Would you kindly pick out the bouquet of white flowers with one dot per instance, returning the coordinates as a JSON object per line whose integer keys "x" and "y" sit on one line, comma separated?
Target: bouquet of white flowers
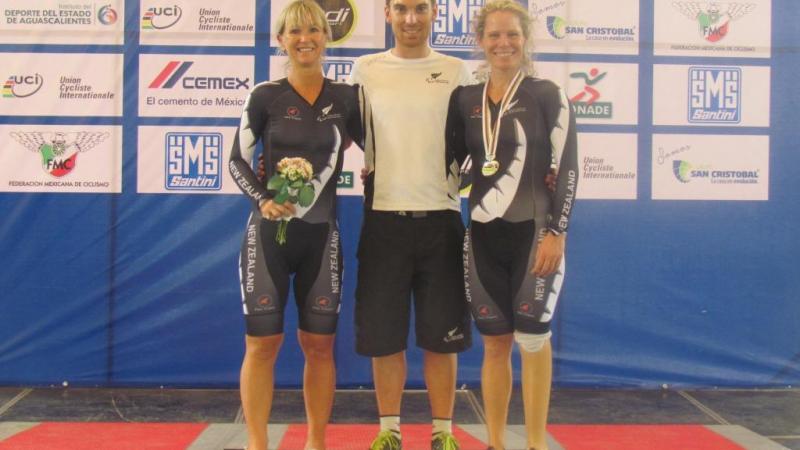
{"x": 292, "y": 183}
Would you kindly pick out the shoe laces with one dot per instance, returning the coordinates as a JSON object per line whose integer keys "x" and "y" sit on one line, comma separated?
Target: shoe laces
{"x": 386, "y": 440}
{"x": 444, "y": 441}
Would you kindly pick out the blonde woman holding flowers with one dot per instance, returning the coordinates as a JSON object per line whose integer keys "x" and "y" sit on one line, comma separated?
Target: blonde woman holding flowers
{"x": 305, "y": 123}
{"x": 518, "y": 131}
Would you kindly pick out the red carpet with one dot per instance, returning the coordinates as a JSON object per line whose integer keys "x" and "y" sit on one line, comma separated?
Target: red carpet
{"x": 105, "y": 436}
{"x": 639, "y": 437}
{"x": 178, "y": 436}
{"x": 350, "y": 437}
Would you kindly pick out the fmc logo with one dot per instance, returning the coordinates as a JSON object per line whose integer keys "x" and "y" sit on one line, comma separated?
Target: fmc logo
{"x": 713, "y": 18}
{"x": 342, "y": 16}
{"x": 160, "y": 18}
{"x": 451, "y": 27}
{"x": 21, "y": 86}
{"x": 715, "y": 94}
{"x": 175, "y": 71}
{"x": 585, "y": 102}
{"x": 194, "y": 161}
{"x": 59, "y": 151}
{"x": 107, "y": 15}
{"x": 337, "y": 69}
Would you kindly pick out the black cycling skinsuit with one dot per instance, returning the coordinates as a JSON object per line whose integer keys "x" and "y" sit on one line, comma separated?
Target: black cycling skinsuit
{"x": 511, "y": 209}
{"x": 289, "y": 126}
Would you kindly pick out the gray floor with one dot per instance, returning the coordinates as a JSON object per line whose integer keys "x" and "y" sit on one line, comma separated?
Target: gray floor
{"x": 774, "y": 414}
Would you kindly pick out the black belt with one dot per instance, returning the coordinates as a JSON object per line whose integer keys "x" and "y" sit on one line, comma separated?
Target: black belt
{"x": 416, "y": 214}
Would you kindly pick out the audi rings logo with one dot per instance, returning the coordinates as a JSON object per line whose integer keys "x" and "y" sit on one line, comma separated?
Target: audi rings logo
{"x": 342, "y": 17}
{"x": 107, "y": 15}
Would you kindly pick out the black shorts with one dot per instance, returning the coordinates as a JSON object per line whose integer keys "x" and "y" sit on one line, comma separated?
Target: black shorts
{"x": 403, "y": 255}
{"x": 312, "y": 253}
{"x": 503, "y": 295}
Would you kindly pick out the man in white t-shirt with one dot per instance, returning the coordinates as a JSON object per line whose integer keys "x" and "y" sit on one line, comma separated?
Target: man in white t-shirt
{"x": 412, "y": 237}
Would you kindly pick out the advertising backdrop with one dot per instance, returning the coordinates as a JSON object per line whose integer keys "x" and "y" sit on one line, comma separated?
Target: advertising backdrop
{"x": 121, "y": 225}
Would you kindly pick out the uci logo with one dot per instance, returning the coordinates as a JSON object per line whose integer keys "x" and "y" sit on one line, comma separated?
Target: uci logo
{"x": 21, "y": 86}
{"x": 160, "y": 18}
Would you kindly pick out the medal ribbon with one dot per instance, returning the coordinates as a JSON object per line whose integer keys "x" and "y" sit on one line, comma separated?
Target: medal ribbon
{"x": 490, "y": 136}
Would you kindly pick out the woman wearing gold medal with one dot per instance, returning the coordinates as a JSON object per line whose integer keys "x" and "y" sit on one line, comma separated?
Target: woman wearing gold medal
{"x": 518, "y": 130}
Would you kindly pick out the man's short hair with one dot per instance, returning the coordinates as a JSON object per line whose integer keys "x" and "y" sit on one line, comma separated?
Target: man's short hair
{"x": 433, "y": 3}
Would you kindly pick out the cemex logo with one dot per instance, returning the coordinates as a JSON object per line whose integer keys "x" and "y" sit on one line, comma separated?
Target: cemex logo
{"x": 713, "y": 18}
{"x": 337, "y": 69}
{"x": 715, "y": 94}
{"x": 21, "y": 86}
{"x": 59, "y": 151}
{"x": 585, "y": 102}
{"x": 174, "y": 72}
{"x": 194, "y": 161}
{"x": 160, "y": 18}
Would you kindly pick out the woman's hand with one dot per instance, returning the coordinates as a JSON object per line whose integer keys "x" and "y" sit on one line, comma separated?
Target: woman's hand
{"x": 276, "y": 211}
{"x": 548, "y": 254}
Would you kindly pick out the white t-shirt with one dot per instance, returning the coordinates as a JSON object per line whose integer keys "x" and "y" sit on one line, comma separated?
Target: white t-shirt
{"x": 409, "y": 100}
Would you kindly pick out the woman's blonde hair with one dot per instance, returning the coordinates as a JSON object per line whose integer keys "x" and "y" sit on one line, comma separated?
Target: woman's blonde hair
{"x": 302, "y": 12}
{"x": 525, "y": 22}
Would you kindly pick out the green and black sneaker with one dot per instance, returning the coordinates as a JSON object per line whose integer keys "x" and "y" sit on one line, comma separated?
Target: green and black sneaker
{"x": 444, "y": 441}
{"x": 387, "y": 440}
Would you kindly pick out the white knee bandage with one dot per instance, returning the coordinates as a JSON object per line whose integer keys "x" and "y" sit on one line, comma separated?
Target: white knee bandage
{"x": 531, "y": 343}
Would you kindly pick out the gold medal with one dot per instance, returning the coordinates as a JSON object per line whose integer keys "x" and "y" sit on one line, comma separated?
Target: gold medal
{"x": 490, "y": 168}
{"x": 492, "y": 136}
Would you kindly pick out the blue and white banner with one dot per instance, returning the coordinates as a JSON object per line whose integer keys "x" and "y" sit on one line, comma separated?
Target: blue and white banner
{"x": 710, "y": 167}
{"x": 739, "y": 28}
{"x": 194, "y": 85}
{"x": 197, "y": 22}
{"x": 61, "y": 158}
{"x": 354, "y": 23}
{"x": 586, "y": 26}
{"x": 61, "y": 84}
{"x": 184, "y": 160}
{"x": 698, "y": 95}
{"x": 64, "y": 22}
